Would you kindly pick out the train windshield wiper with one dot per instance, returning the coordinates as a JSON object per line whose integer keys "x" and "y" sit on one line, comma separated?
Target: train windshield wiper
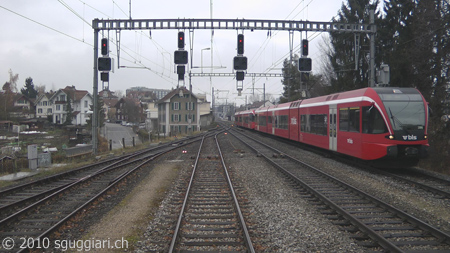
{"x": 396, "y": 120}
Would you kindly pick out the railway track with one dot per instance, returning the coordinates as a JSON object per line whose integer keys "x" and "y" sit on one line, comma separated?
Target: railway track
{"x": 431, "y": 183}
{"x": 38, "y": 218}
{"x": 376, "y": 224}
{"x": 210, "y": 218}
{"x": 440, "y": 187}
{"x": 14, "y": 198}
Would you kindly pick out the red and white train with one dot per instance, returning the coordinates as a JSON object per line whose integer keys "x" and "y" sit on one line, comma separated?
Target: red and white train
{"x": 387, "y": 126}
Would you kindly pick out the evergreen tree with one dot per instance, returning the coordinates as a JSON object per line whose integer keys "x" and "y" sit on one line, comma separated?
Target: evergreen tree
{"x": 69, "y": 110}
{"x": 300, "y": 86}
{"x": 351, "y": 72}
{"x": 394, "y": 34}
{"x": 29, "y": 90}
{"x": 290, "y": 81}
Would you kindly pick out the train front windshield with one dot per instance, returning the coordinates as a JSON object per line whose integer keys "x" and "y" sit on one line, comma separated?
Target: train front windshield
{"x": 406, "y": 111}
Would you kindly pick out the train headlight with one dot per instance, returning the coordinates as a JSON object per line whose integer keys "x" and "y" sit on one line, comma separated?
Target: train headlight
{"x": 425, "y": 136}
{"x": 391, "y": 137}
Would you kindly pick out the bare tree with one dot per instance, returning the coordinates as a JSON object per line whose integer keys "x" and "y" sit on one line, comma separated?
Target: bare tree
{"x": 326, "y": 68}
{"x": 40, "y": 89}
{"x": 119, "y": 93}
{"x": 13, "y": 81}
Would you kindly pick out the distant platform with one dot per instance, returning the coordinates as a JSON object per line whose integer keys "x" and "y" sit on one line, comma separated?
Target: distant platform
{"x": 16, "y": 176}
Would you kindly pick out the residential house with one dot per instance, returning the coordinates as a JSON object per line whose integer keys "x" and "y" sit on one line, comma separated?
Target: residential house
{"x": 109, "y": 104}
{"x": 80, "y": 100}
{"x": 178, "y": 112}
{"x": 138, "y": 92}
{"x": 23, "y": 107}
{"x": 44, "y": 106}
{"x": 151, "y": 111}
{"x": 206, "y": 115}
{"x": 129, "y": 110}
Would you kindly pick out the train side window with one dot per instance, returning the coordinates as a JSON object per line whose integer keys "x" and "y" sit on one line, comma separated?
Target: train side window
{"x": 284, "y": 122}
{"x": 262, "y": 120}
{"x": 343, "y": 119}
{"x": 314, "y": 123}
{"x": 372, "y": 121}
{"x": 303, "y": 123}
{"x": 349, "y": 119}
{"x": 269, "y": 119}
{"x": 354, "y": 117}
{"x": 319, "y": 124}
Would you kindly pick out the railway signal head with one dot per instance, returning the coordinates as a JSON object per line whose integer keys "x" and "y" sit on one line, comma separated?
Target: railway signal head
{"x": 104, "y": 76}
{"x": 304, "y": 64}
{"x": 104, "y": 46}
{"x": 180, "y": 39}
{"x": 181, "y": 57}
{"x": 104, "y": 64}
{"x": 305, "y": 47}
{"x": 240, "y": 75}
{"x": 240, "y": 63}
{"x": 240, "y": 44}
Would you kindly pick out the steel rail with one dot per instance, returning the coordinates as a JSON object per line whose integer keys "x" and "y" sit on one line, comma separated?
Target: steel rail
{"x": 432, "y": 189}
{"x": 97, "y": 196}
{"x": 180, "y": 216}
{"x": 247, "y": 238}
{"x": 111, "y": 183}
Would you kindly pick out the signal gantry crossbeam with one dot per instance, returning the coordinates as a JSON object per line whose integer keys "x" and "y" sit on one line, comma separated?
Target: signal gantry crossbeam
{"x": 233, "y": 74}
{"x": 230, "y": 24}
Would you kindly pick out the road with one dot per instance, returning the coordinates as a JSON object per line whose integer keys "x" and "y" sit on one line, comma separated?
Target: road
{"x": 117, "y": 132}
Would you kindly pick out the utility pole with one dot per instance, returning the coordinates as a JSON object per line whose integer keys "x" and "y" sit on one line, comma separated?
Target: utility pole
{"x": 372, "y": 49}
{"x": 95, "y": 95}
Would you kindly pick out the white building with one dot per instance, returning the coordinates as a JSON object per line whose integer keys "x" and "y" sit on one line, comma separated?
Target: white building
{"x": 44, "y": 106}
{"x": 80, "y": 101}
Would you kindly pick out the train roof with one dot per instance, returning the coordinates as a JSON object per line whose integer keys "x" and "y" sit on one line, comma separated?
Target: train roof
{"x": 348, "y": 96}
{"x": 360, "y": 95}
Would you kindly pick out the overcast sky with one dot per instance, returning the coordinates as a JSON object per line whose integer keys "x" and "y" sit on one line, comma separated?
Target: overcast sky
{"x": 52, "y": 42}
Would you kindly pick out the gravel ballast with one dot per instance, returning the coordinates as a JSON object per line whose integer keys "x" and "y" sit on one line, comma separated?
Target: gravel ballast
{"x": 279, "y": 217}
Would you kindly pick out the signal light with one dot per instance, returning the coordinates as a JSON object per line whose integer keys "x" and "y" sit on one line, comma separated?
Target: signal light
{"x": 180, "y": 39}
{"x": 240, "y": 75}
{"x": 104, "y": 64}
{"x": 104, "y": 76}
{"x": 240, "y": 44}
{"x": 240, "y": 63}
{"x": 181, "y": 57}
{"x": 104, "y": 46}
{"x": 304, "y": 64}
{"x": 305, "y": 47}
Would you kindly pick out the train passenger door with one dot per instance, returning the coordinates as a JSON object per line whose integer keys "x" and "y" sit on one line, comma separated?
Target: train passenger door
{"x": 274, "y": 121}
{"x": 332, "y": 126}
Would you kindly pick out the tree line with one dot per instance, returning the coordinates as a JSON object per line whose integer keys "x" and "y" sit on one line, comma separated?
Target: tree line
{"x": 413, "y": 38}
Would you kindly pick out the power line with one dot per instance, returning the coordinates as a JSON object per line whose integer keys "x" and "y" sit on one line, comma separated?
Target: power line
{"x": 46, "y": 26}
{"x": 74, "y": 12}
